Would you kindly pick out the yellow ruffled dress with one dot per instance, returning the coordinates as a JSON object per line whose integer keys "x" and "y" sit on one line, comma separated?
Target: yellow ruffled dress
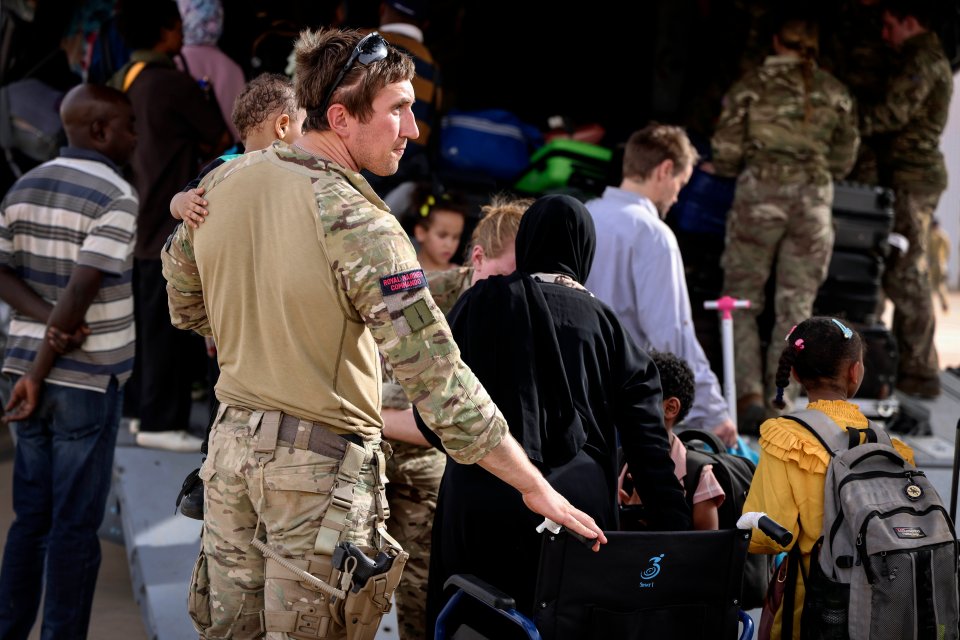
{"x": 788, "y": 485}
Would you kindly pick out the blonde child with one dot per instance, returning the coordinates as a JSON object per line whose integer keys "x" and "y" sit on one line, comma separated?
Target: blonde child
{"x": 492, "y": 251}
{"x": 826, "y": 358}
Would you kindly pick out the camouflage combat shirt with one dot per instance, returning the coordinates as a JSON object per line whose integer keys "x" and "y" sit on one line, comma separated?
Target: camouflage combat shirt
{"x": 765, "y": 124}
{"x": 301, "y": 275}
{"x": 916, "y": 106}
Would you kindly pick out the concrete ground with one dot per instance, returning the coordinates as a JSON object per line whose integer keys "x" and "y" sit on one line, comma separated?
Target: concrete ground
{"x": 115, "y": 611}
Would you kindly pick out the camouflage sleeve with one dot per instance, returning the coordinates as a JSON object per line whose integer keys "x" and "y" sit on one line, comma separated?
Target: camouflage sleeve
{"x": 905, "y": 96}
{"x": 378, "y": 270}
{"x": 394, "y": 397}
{"x": 445, "y": 287}
{"x": 846, "y": 138}
{"x": 729, "y": 138}
{"x": 184, "y": 291}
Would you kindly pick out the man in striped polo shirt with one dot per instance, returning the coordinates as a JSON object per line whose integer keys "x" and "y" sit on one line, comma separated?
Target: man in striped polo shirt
{"x": 66, "y": 242}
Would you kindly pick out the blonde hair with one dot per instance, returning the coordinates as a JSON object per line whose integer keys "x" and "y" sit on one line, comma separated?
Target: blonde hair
{"x": 499, "y": 224}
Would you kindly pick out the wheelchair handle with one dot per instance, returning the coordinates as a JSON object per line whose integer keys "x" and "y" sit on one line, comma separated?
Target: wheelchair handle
{"x": 554, "y": 528}
{"x": 761, "y": 521}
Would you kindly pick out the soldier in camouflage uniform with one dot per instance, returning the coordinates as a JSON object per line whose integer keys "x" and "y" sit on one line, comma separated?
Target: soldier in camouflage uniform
{"x": 415, "y": 469}
{"x": 301, "y": 279}
{"x": 914, "y": 110}
{"x": 787, "y": 130}
{"x": 861, "y": 60}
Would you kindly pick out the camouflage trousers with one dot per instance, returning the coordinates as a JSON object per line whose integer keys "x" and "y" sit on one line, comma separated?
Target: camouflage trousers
{"x": 906, "y": 282}
{"x": 938, "y": 284}
{"x": 414, "y": 474}
{"x": 787, "y": 222}
{"x": 282, "y": 501}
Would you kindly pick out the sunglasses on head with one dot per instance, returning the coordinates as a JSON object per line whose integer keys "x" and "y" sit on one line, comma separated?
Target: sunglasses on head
{"x": 371, "y": 48}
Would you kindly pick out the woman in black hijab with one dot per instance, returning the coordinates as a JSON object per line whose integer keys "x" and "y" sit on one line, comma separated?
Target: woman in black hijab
{"x": 568, "y": 379}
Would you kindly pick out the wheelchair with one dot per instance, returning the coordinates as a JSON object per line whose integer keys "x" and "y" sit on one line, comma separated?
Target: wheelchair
{"x": 639, "y": 585}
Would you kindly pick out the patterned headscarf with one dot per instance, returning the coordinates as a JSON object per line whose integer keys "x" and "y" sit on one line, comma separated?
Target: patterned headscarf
{"x": 202, "y": 21}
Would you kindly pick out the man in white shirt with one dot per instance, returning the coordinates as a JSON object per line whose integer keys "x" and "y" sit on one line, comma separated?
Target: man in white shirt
{"x": 638, "y": 269}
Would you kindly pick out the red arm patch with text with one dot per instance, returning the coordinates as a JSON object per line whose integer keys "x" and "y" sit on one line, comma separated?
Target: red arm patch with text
{"x": 403, "y": 282}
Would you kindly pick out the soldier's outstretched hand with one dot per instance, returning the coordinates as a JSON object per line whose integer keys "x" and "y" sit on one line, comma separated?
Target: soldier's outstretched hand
{"x": 545, "y": 500}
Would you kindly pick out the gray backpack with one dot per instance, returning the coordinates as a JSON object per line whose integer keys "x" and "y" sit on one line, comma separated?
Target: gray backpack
{"x": 886, "y": 563}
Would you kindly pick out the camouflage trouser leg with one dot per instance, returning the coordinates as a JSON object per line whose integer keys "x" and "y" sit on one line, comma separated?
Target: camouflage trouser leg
{"x": 792, "y": 223}
{"x": 802, "y": 264}
{"x": 291, "y": 495}
{"x": 414, "y": 473}
{"x": 907, "y": 284}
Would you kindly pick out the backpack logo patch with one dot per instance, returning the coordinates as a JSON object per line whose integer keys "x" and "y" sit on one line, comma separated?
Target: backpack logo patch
{"x": 909, "y": 532}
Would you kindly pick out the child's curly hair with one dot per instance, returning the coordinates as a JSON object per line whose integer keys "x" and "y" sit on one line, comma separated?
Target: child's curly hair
{"x": 265, "y": 95}
{"x": 817, "y": 350}
{"x": 676, "y": 380}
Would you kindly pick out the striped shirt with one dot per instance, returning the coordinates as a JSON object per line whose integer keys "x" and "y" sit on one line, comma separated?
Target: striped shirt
{"x": 74, "y": 210}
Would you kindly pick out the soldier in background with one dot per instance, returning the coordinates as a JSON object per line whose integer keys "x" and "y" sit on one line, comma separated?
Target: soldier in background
{"x": 787, "y": 130}
{"x": 914, "y": 110}
{"x": 326, "y": 279}
{"x": 859, "y": 58}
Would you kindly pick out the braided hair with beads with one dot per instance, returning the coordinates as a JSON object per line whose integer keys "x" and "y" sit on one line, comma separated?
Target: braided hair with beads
{"x": 817, "y": 349}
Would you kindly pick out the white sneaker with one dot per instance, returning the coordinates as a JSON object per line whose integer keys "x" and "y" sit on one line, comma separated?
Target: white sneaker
{"x": 169, "y": 440}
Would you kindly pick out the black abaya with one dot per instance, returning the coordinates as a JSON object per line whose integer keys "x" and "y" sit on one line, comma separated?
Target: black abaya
{"x": 568, "y": 379}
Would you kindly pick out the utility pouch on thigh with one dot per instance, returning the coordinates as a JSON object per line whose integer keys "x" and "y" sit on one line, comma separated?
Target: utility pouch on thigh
{"x": 198, "y": 599}
{"x": 308, "y": 615}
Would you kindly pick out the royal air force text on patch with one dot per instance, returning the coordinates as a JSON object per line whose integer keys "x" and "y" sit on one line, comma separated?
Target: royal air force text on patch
{"x": 403, "y": 282}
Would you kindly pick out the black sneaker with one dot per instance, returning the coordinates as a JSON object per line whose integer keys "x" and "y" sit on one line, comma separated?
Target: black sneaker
{"x": 190, "y": 499}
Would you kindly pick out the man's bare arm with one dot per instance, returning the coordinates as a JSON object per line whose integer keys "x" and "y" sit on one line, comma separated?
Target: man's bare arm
{"x": 68, "y": 315}
{"x": 18, "y": 294}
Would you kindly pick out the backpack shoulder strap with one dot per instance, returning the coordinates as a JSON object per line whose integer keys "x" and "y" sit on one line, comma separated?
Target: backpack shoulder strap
{"x": 823, "y": 428}
{"x": 696, "y": 461}
{"x": 132, "y": 74}
{"x": 882, "y": 436}
{"x": 696, "y": 435}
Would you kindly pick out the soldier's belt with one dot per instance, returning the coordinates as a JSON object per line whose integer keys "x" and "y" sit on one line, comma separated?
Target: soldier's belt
{"x": 313, "y": 436}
